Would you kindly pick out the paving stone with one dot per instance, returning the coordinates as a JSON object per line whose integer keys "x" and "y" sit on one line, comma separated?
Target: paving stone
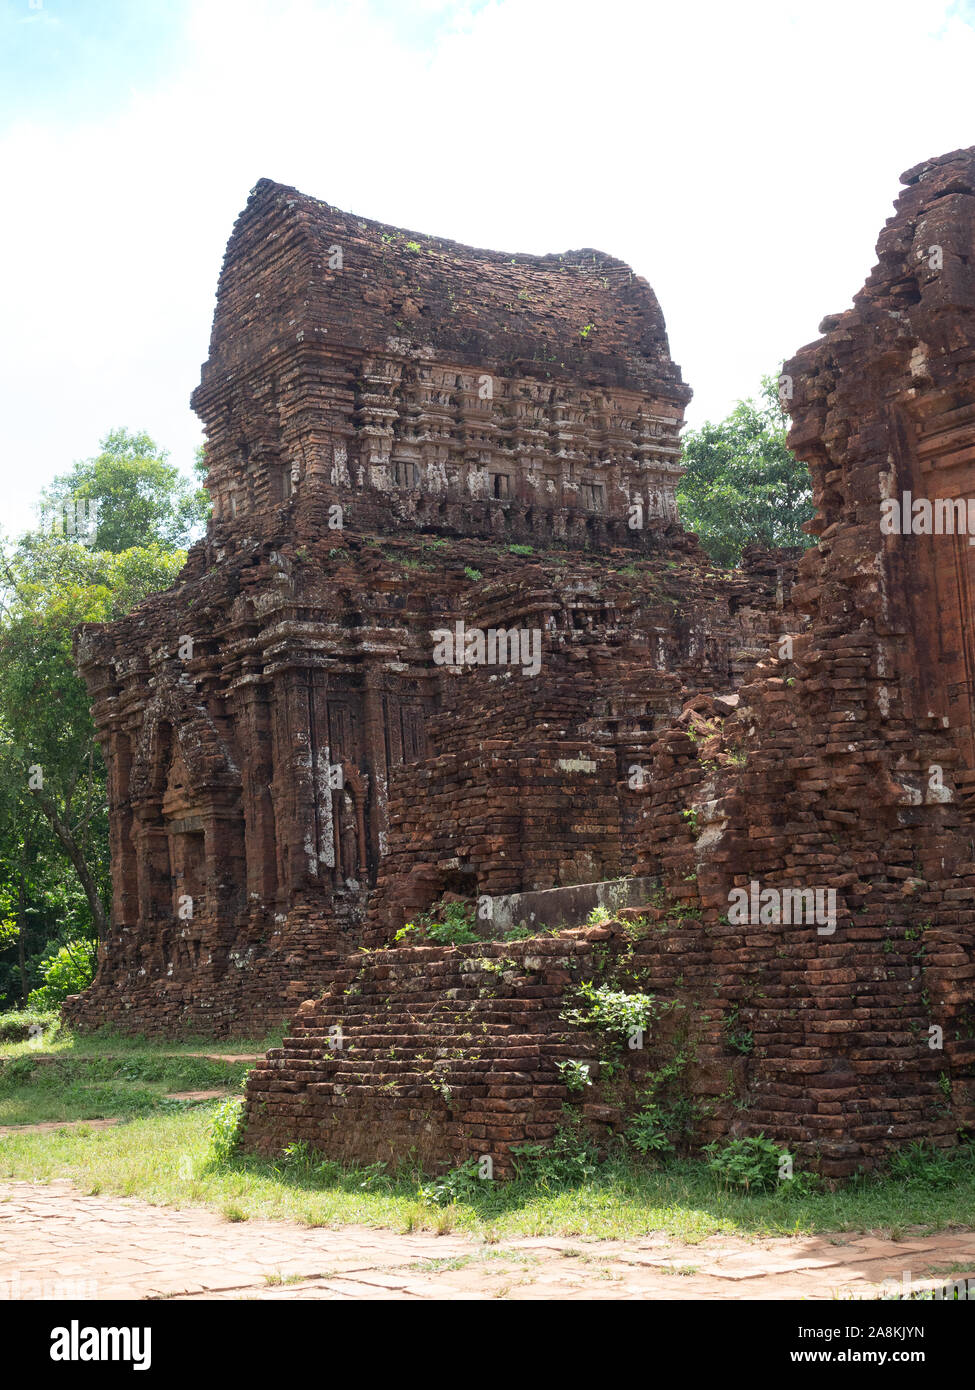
{"x": 94, "y": 1248}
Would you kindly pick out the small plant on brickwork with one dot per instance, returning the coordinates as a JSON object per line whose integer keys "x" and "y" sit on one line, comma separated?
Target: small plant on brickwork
{"x": 923, "y": 1166}
{"x": 460, "y": 1184}
{"x": 711, "y": 727}
{"x": 575, "y": 1075}
{"x": 570, "y": 1159}
{"x": 612, "y": 1011}
{"x": 226, "y": 1130}
{"x": 662, "y": 1121}
{"x": 618, "y": 896}
{"x": 500, "y": 966}
{"x": 649, "y": 1131}
{"x": 752, "y": 1163}
{"x": 521, "y": 549}
{"x": 520, "y": 931}
{"x": 454, "y": 925}
{"x": 740, "y": 1038}
{"x": 691, "y": 817}
{"x": 681, "y": 912}
{"x": 472, "y": 573}
{"x": 637, "y": 926}
{"x": 441, "y": 1088}
{"x": 448, "y": 924}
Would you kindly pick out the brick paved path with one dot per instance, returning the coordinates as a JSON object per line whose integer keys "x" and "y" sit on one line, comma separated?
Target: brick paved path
{"x": 56, "y": 1242}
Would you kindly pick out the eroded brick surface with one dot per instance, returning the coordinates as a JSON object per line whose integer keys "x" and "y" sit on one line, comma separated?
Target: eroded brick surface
{"x": 848, "y": 764}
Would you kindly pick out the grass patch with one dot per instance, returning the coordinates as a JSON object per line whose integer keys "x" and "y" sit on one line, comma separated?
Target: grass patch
{"x": 165, "y": 1153}
{"x": 22, "y": 1025}
{"x": 37, "y": 1089}
{"x": 435, "y": 1266}
{"x": 483, "y": 1256}
{"x": 165, "y": 1158}
{"x": 66, "y": 1076}
{"x": 58, "y": 1041}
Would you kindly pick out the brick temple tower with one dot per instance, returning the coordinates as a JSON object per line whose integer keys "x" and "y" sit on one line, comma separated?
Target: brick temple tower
{"x": 403, "y": 435}
{"x": 419, "y": 378}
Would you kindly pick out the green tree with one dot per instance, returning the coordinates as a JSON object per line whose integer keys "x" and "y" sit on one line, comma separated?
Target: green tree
{"x": 54, "y": 857}
{"x": 140, "y": 496}
{"x": 66, "y": 969}
{"x": 743, "y": 486}
{"x": 46, "y": 731}
{"x": 41, "y": 901}
{"x": 23, "y": 831}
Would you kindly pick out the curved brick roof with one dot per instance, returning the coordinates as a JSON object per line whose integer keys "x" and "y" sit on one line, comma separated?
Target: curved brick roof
{"x": 581, "y": 315}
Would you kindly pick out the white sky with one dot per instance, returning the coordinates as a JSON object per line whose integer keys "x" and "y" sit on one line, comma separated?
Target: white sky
{"x": 742, "y": 156}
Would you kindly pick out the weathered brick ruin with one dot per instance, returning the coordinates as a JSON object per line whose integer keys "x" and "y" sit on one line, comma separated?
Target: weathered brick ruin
{"x": 405, "y": 435}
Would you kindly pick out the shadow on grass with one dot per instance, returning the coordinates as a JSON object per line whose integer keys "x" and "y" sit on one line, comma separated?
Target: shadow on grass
{"x": 931, "y": 1192}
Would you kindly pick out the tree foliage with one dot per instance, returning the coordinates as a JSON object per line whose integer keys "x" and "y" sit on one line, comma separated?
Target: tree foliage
{"x": 54, "y": 856}
{"x": 54, "y": 584}
{"x": 65, "y": 969}
{"x": 140, "y": 495}
{"x": 743, "y": 486}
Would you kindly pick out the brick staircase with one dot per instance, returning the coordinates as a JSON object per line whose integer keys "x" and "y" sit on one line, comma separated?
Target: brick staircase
{"x": 442, "y": 1051}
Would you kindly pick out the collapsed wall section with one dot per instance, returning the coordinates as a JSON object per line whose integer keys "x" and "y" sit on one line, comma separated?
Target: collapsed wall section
{"x": 845, "y": 769}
